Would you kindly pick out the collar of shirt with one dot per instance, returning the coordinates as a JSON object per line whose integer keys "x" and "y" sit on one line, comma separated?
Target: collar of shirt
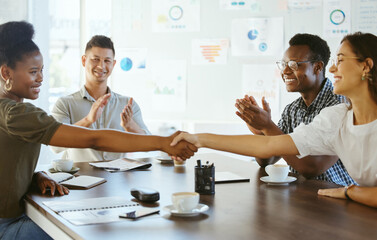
{"x": 321, "y": 99}
{"x": 84, "y": 94}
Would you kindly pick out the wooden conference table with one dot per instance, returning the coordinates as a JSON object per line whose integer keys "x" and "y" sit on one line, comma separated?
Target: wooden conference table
{"x": 245, "y": 210}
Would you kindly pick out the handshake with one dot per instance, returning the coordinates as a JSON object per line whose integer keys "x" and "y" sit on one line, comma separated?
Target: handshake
{"x": 180, "y": 145}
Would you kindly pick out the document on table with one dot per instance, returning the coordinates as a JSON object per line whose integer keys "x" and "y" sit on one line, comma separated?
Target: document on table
{"x": 92, "y": 210}
{"x": 122, "y": 164}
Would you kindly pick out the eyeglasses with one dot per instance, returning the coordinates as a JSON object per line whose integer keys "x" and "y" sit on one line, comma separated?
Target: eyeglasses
{"x": 293, "y": 65}
{"x": 336, "y": 61}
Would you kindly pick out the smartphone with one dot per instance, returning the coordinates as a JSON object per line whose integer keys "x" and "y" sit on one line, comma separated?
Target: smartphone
{"x": 139, "y": 213}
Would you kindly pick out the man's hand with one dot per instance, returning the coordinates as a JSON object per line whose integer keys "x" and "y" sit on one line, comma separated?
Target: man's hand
{"x": 256, "y": 118}
{"x": 184, "y": 136}
{"x": 181, "y": 150}
{"x": 45, "y": 183}
{"x": 126, "y": 120}
{"x": 95, "y": 111}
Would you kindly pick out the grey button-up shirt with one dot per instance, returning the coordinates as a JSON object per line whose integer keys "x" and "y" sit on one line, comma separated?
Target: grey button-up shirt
{"x": 72, "y": 108}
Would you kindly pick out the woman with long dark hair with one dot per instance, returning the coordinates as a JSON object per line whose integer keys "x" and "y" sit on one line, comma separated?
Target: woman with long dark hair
{"x": 348, "y": 131}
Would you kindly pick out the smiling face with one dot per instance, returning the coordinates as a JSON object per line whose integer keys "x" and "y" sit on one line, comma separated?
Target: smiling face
{"x": 347, "y": 74}
{"x": 27, "y": 77}
{"x": 304, "y": 78}
{"x": 98, "y": 63}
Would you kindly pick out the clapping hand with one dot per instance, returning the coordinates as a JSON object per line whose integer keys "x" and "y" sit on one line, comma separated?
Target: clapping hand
{"x": 256, "y": 118}
{"x": 126, "y": 120}
{"x": 97, "y": 108}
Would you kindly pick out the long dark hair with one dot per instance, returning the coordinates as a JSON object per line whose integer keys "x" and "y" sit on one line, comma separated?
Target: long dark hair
{"x": 15, "y": 42}
{"x": 364, "y": 45}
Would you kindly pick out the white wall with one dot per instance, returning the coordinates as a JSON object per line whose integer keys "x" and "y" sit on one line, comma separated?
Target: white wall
{"x": 212, "y": 90}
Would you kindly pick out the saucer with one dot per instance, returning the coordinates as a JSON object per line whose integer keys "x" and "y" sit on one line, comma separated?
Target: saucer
{"x": 164, "y": 159}
{"x": 196, "y": 211}
{"x": 72, "y": 171}
{"x": 267, "y": 179}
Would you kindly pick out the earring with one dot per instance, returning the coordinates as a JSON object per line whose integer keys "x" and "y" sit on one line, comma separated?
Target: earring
{"x": 8, "y": 85}
{"x": 363, "y": 77}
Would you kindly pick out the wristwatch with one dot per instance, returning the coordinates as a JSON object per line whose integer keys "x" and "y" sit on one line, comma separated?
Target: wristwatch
{"x": 346, "y": 190}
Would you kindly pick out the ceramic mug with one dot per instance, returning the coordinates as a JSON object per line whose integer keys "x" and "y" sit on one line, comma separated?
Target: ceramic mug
{"x": 277, "y": 172}
{"x": 185, "y": 201}
{"x": 62, "y": 165}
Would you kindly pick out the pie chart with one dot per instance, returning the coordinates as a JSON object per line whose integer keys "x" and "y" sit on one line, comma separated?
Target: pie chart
{"x": 252, "y": 34}
{"x": 126, "y": 64}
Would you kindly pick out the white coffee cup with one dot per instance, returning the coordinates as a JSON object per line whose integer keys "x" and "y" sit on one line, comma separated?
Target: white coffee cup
{"x": 277, "y": 172}
{"x": 62, "y": 165}
{"x": 185, "y": 201}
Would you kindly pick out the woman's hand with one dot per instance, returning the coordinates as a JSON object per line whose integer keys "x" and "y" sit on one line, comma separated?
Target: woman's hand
{"x": 191, "y": 138}
{"x": 45, "y": 183}
{"x": 332, "y": 192}
{"x": 181, "y": 150}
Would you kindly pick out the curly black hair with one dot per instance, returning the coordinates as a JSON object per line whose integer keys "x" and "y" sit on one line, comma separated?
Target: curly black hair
{"x": 15, "y": 42}
{"x": 100, "y": 41}
{"x": 319, "y": 49}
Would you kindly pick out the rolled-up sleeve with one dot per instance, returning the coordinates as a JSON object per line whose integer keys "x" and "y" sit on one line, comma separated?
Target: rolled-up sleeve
{"x": 317, "y": 137}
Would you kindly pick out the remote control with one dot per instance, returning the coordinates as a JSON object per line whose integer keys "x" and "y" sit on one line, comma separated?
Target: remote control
{"x": 145, "y": 194}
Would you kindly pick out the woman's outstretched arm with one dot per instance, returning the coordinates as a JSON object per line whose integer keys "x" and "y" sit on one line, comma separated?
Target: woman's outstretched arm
{"x": 117, "y": 141}
{"x": 250, "y": 145}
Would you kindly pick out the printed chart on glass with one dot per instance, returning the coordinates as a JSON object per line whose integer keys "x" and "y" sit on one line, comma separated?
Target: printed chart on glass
{"x": 336, "y": 18}
{"x": 262, "y": 80}
{"x": 252, "y": 5}
{"x": 304, "y": 5}
{"x": 366, "y": 14}
{"x": 161, "y": 87}
{"x": 257, "y": 37}
{"x": 209, "y": 51}
{"x": 131, "y": 60}
{"x": 175, "y": 15}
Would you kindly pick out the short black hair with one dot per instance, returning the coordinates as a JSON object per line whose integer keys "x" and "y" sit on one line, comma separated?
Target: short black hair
{"x": 15, "y": 42}
{"x": 100, "y": 41}
{"x": 319, "y": 49}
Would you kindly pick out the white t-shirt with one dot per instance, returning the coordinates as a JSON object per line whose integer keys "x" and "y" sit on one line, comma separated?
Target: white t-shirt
{"x": 332, "y": 132}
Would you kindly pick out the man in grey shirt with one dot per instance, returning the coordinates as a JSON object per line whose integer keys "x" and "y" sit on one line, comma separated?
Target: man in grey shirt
{"x": 95, "y": 105}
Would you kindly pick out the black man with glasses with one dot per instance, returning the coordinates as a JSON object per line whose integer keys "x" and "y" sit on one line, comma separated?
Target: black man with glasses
{"x": 302, "y": 70}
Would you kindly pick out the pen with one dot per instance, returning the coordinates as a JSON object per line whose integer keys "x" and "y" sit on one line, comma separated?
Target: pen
{"x": 199, "y": 163}
{"x": 112, "y": 168}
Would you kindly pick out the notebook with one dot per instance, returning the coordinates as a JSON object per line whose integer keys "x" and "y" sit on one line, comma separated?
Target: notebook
{"x": 76, "y": 182}
{"x": 121, "y": 165}
{"x": 228, "y": 177}
{"x": 92, "y": 210}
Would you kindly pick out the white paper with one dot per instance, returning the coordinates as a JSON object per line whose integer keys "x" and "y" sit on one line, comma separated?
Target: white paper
{"x": 209, "y": 51}
{"x": 168, "y": 86}
{"x": 336, "y": 18}
{"x": 129, "y": 15}
{"x": 260, "y": 80}
{"x": 366, "y": 16}
{"x": 131, "y": 60}
{"x": 240, "y": 5}
{"x": 257, "y": 37}
{"x": 175, "y": 15}
{"x": 92, "y": 210}
{"x": 122, "y": 164}
{"x": 304, "y": 4}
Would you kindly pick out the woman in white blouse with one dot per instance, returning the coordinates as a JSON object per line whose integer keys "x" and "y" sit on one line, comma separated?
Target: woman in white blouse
{"x": 349, "y": 131}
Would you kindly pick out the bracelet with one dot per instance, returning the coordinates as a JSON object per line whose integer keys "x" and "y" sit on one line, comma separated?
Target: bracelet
{"x": 346, "y": 190}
